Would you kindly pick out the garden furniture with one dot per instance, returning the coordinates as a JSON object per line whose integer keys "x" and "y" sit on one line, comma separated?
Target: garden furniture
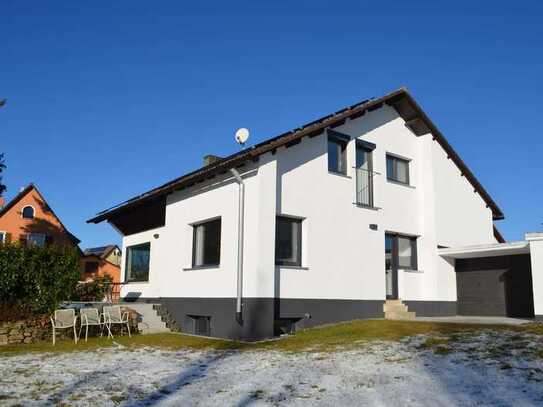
{"x": 91, "y": 317}
{"x": 64, "y": 319}
{"x": 113, "y": 315}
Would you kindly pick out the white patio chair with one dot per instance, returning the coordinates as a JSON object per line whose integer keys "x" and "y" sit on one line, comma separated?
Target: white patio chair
{"x": 90, "y": 317}
{"x": 64, "y": 319}
{"x": 113, "y": 315}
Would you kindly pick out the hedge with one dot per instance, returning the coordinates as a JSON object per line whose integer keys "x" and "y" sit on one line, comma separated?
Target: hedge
{"x": 36, "y": 278}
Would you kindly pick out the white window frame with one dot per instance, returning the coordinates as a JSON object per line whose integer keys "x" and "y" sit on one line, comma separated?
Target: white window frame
{"x": 3, "y": 233}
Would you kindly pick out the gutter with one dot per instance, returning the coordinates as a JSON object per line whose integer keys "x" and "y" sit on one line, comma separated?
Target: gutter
{"x": 241, "y": 183}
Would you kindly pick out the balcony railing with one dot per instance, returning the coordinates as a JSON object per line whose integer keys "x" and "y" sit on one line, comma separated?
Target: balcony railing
{"x": 364, "y": 187}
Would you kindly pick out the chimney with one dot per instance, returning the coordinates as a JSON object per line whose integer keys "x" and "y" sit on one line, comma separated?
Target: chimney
{"x": 210, "y": 159}
{"x": 2, "y": 202}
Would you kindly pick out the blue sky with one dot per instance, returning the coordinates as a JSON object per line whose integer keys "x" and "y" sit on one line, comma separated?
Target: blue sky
{"x": 108, "y": 100}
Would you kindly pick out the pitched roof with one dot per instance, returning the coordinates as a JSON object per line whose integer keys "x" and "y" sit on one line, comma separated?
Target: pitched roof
{"x": 101, "y": 252}
{"x": 415, "y": 118}
{"x": 25, "y": 191}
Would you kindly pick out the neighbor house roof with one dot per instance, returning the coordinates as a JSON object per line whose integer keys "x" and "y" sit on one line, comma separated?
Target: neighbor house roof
{"x": 415, "y": 118}
{"x": 25, "y": 191}
{"x": 101, "y": 252}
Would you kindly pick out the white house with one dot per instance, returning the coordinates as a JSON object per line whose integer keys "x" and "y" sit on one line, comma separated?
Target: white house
{"x": 337, "y": 215}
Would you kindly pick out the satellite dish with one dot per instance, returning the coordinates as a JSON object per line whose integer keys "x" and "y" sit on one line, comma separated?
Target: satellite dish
{"x": 242, "y": 135}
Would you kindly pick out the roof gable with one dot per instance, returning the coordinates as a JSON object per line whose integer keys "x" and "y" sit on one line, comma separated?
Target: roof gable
{"x": 42, "y": 203}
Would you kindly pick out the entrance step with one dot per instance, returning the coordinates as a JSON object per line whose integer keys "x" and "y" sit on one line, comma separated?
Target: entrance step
{"x": 167, "y": 318}
{"x": 396, "y": 309}
{"x": 149, "y": 321}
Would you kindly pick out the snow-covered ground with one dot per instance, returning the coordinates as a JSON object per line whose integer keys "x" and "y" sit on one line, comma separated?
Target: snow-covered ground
{"x": 490, "y": 368}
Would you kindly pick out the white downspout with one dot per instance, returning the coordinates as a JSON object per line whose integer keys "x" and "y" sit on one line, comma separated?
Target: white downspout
{"x": 239, "y": 180}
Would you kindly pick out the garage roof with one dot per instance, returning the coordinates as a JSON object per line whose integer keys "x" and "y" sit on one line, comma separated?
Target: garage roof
{"x": 485, "y": 250}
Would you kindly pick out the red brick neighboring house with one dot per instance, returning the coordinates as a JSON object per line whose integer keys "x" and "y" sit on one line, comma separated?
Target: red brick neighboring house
{"x": 29, "y": 219}
{"x": 99, "y": 261}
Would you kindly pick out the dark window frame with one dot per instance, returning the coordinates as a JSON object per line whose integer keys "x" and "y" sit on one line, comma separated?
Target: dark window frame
{"x": 126, "y": 268}
{"x": 396, "y": 250}
{"x": 341, "y": 154}
{"x": 364, "y": 147}
{"x": 394, "y": 176}
{"x": 194, "y": 228}
{"x": 25, "y": 208}
{"x": 299, "y": 222}
{"x": 196, "y": 320}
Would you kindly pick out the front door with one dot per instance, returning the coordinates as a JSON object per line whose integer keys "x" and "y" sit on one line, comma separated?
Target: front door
{"x": 391, "y": 267}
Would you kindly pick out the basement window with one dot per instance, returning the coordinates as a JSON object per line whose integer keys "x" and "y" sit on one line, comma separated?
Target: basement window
{"x": 206, "y": 244}
{"x": 201, "y": 325}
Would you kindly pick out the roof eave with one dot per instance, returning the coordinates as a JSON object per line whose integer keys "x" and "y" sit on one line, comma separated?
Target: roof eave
{"x": 315, "y": 127}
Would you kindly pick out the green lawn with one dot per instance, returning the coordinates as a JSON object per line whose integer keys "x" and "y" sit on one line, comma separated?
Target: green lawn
{"x": 327, "y": 338}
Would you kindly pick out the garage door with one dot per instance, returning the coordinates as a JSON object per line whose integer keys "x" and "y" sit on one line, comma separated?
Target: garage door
{"x": 495, "y": 286}
{"x": 481, "y": 293}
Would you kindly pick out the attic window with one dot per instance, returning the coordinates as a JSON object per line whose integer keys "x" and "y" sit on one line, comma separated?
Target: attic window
{"x": 28, "y": 212}
{"x": 337, "y": 155}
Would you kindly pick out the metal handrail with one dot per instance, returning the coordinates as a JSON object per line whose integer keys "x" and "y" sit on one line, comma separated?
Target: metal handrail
{"x": 362, "y": 169}
{"x": 364, "y": 186}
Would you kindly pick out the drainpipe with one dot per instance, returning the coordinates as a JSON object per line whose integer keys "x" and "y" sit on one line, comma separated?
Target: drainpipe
{"x": 239, "y": 315}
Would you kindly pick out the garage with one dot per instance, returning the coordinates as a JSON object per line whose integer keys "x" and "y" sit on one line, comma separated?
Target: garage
{"x": 493, "y": 279}
{"x": 495, "y": 286}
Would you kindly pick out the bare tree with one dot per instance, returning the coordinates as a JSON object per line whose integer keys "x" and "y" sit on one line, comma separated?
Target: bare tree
{"x": 2, "y": 168}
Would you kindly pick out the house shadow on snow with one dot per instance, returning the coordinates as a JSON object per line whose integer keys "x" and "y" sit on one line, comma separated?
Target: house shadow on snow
{"x": 186, "y": 377}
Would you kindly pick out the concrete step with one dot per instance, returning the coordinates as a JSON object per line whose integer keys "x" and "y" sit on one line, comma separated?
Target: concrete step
{"x": 394, "y": 308}
{"x": 149, "y": 320}
{"x": 401, "y": 316}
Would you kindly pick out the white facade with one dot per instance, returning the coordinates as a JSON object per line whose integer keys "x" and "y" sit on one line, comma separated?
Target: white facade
{"x": 536, "y": 256}
{"x": 342, "y": 258}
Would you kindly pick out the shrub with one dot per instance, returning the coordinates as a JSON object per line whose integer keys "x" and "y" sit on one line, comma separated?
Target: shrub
{"x": 36, "y": 279}
{"x": 94, "y": 290}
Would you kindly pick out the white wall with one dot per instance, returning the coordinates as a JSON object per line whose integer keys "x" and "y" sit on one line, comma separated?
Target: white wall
{"x": 536, "y": 254}
{"x": 462, "y": 217}
{"x": 342, "y": 257}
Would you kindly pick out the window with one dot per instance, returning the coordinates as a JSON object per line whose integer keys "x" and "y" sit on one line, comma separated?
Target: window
{"x": 28, "y": 212}
{"x": 37, "y": 239}
{"x": 288, "y": 241}
{"x": 397, "y": 169}
{"x": 3, "y": 237}
{"x": 364, "y": 175}
{"x": 206, "y": 244}
{"x": 337, "y": 155}
{"x": 91, "y": 267}
{"x": 400, "y": 251}
{"x": 202, "y": 325}
{"x": 137, "y": 262}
